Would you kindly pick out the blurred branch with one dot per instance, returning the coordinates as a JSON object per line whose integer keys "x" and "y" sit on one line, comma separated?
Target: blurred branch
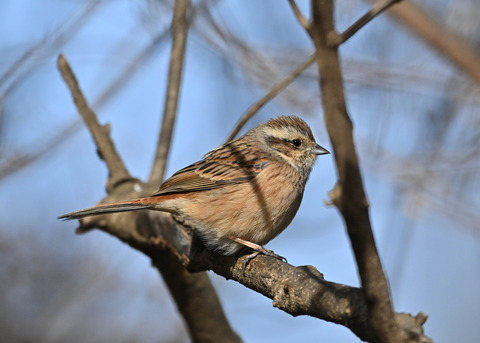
{"x": 452, "y": 46}
{"x": 101, "y": 133}
{"x": 50, "y": 44}
{"x": 262, "y": 69}
{"x": 273, "y": 92}
{"x": 14, "y": 163}
{"x": 298, "y": 14}
{"x": 378, "y": 8}
{"x": 22, "y": 68}
{"x": 21, "y": 160}
{"x": 349, "y": 195}
{"x": 137, "y": 62}
{"x": 427, "y": 184}
{"x": 180, "y": 24}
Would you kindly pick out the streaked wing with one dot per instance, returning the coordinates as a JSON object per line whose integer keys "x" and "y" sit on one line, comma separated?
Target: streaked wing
{"x": 231, "y": 163}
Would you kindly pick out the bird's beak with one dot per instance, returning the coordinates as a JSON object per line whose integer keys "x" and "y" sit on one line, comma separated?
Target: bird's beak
{"x": 318, "y": 150}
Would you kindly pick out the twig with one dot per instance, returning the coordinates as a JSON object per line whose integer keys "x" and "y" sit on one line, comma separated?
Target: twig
{"x": 269, "y": 96}
{"x": 180, "y": 24}
{"x": 349, "y": 195}
{"x": 378, "y": 8}
{"x": 101, "y": 133}
{"x": 298, "y": 14}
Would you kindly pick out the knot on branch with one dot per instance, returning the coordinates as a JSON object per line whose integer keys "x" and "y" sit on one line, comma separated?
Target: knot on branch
{"x": 413, "y": 326}
{"x": 335, "y": 196}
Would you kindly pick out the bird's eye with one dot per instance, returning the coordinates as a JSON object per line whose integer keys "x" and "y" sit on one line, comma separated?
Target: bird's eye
{"x": 297, "y": 142}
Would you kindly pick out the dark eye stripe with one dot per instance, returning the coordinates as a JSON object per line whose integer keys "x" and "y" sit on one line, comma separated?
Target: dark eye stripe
{"x": 281, "y": 145}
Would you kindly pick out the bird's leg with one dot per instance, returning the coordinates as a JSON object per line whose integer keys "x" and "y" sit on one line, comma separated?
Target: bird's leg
{"x": 258, "y": 249}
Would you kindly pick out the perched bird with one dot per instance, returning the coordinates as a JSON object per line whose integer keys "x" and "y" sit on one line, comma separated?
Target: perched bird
{"x": 243, "y": 193}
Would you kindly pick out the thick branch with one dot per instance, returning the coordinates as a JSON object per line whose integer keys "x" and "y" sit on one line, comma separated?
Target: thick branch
{"x": 349, "y": 195}
{"x": 180, "y": 25}
{"x": 273, "y": 92}
{"x": 101, "y": 133}
{"x": 295, "y": 290}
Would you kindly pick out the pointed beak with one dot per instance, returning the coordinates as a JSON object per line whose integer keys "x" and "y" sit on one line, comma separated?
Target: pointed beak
{"x": 318, "y": 150}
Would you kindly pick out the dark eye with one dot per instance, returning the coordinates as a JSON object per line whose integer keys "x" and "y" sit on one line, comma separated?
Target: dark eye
{"x": 297, "y": 142}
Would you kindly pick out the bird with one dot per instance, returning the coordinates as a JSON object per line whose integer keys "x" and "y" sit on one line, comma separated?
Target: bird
{"x": 239, "y": 195}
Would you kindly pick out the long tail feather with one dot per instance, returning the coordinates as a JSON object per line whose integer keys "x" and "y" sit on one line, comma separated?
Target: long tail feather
{"x": 124, "y": 206}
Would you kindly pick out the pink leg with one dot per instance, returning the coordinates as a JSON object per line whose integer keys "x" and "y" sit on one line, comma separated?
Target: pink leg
{"x": 258, "y": 249}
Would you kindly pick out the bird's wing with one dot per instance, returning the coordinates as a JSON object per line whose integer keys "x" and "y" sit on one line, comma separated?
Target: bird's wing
{"x": 228, "y": 164}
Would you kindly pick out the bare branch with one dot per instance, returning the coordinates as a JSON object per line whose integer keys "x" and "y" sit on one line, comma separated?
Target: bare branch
{"x": 452, "y": 46}
{"x": 298, "y": 14}
{"x": 273, "y": 92}
{"x": 295, "y": 290}
{"x": 180, "y": 24}
{"x": 349, "y": 195}
{"x": 101, "y": 133}
{"x": 378, "y": 8}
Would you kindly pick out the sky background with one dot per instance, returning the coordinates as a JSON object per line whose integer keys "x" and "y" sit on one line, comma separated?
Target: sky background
{"x": 417, "y": 125}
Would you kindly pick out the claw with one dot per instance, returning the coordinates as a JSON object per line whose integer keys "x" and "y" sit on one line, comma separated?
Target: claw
{"x": 248, "y": 258}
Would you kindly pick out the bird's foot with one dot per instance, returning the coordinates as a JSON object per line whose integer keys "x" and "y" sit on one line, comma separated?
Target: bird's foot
{"x": 258, "y": 250}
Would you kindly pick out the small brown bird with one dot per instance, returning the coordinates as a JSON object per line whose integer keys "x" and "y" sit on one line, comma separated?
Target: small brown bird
{"x": 243, "y": 193}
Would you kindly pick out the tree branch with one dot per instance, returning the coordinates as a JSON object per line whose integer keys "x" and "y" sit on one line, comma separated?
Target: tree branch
{"x": 295, "y": 290}
{"x": 180, "y": 25}
{"x": 298, "y": 14}
{"x": 273, "y": 92}
{"x": 349, "y": 195}
{"x": 101, "y": 133}
{"x": 378, "y": 8}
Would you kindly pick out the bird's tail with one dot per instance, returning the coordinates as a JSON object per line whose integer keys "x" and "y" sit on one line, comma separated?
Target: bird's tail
{"x": 123, "y": 206}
